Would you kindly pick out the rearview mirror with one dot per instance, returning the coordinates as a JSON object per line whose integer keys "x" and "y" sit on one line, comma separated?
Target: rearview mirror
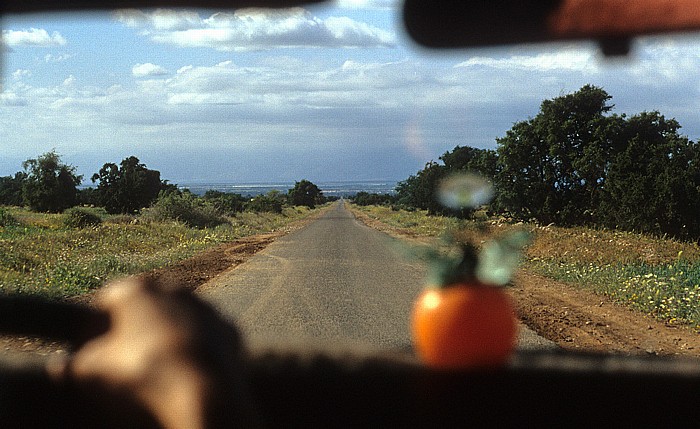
{"x": 459, "y": 23}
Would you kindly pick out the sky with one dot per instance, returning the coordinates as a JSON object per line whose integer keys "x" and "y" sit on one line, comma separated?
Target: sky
{"x": 326, "y": 93}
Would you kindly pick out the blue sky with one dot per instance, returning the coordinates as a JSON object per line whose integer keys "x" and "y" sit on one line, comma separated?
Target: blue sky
{"x": 331, "y": 92}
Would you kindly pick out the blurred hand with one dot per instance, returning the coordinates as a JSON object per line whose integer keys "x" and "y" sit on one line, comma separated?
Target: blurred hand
{"x": 169, "y": 351}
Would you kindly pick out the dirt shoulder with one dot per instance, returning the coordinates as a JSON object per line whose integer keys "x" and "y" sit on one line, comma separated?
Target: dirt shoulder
{"x": 578, "y": 319}
{"x": 581, "y": 320}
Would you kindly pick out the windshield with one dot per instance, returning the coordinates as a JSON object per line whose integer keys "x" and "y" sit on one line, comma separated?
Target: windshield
{"x": 231, "y": 114}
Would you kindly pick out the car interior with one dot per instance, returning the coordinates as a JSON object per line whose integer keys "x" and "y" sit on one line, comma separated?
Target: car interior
{"x": 328, "y": 389}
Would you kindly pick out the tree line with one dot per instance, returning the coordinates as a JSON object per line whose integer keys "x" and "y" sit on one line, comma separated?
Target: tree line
{"x": 578, "y": 163}
{"x": 48, "y": 185}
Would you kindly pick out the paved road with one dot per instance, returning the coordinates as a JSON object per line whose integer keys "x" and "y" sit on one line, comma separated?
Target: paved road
{"x": 336, "y": 280}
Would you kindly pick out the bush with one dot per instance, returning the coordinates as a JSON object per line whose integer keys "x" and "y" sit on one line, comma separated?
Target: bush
{"x": 11, "y": 189}
{"x": 186, "y": 208}
{"x": 80, "y": 218}
{"x": 363, "y": 198}
{"x": 270, "y": 203}
{"x": 124, "y": 219}
{"x": 6, "y": 219}
{"x": 89, "y": 197}
{"x": 227, "y": 203}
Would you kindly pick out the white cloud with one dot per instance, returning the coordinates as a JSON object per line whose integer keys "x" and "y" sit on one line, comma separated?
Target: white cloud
{"x": 254, "y": 29}
{"x": 563, "y": 60}
{"x": 184, "y": 69}
{"x": 69, "y": 81}
{"x": 148, "y": 69}
{"x": 50, "y": 58}
{"x": 12, "y": 99}
{"x": 368, "y": 4}
{"x": 160, "y": 19}
{"x": 32, "y": 37}
{"x": 170, "y": 20}
{"x": 350, "y": 84}
{"x": 21, "y": 73}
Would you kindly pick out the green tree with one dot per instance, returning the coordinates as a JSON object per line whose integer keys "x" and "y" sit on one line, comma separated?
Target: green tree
{"x": 420, "y": 190}
{"x": 363, "y": 198}
{"x": 466, "y": 158}
{"x": 226, "y": 202}
{"x": 89, "y": 197}
{"x": 11, "y": 189}
{"x": 552, "y": 167}
{"x": 272, "y": 202}
{"x": 129, "y": 187}
{"x": 305, "y": 193}
{"x": 50, "y": 185}
{"x": 653, "y": 183}
{"x": 575, "y": 163}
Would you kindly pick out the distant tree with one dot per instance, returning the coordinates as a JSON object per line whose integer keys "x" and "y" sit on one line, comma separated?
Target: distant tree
{"x": 11, "y": 189}
{"x": 363, "y": 198}
{"x": 50, "y": 185}
{"x": 226, "y": 202}
{"x": 420, "y": 190}
{"x": 89, "y": 197}
{"x": 305, "y": 193}
{"x": 129, "y": 187}
{"x": 272, "y": 202}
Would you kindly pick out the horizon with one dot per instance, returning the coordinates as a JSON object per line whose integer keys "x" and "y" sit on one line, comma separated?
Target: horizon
{"x": 341, "y": 188}
{"x": 336, "y": 188}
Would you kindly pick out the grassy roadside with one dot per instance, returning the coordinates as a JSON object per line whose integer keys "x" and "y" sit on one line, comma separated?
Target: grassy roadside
{"x": 39, "y": 254}
{"x": 658, "y": 276}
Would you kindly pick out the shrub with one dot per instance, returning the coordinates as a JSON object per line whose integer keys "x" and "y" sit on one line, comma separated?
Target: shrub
{"x": 186, "y": 208}
{"x": 225, "y": 202}
{"x": 11, "y": 189}
{"x": 72, "y": 279}
{"x": 270, "y": 202}
{"x": 363, "y": 198}
{"x": 80, "y": 218}
{"x": 6, "y": 219}
{"x": 123, "y": 219}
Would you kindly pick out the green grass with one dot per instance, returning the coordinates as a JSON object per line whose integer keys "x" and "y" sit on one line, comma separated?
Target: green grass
{"x": 670, "y": 292}
{"x": 655, "y": 275}
{"x": 39, "y": 254}
{"x": 416, "y": 222}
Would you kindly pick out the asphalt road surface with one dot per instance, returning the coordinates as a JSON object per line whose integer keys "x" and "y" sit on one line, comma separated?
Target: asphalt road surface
{"x": 336, "y": 281}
